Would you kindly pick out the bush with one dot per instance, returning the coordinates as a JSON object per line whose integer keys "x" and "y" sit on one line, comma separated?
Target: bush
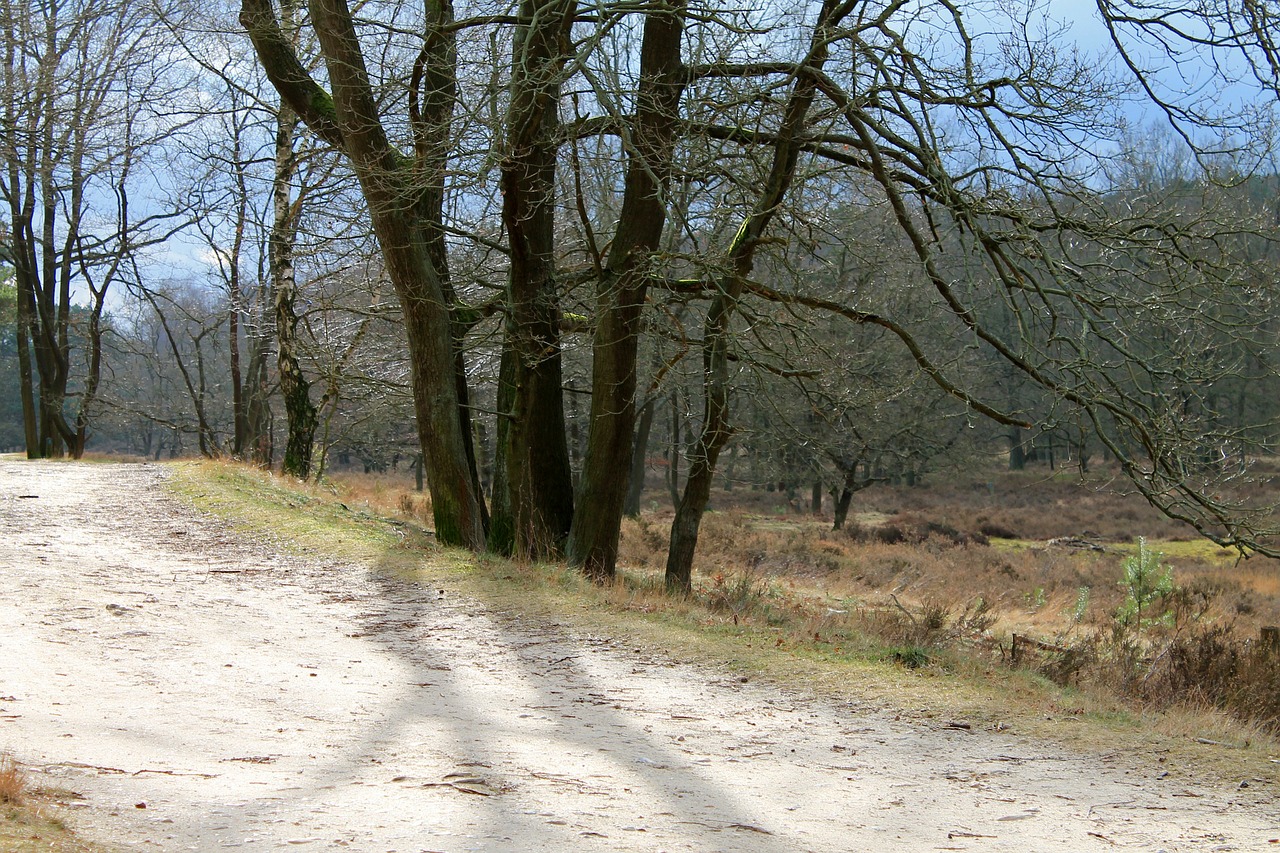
{"x": 1144, "y": 580}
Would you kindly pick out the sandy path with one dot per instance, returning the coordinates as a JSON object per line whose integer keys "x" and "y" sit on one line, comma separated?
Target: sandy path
{"x": 259, "y": 701}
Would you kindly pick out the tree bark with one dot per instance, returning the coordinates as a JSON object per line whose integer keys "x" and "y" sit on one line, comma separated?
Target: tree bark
{"x": 673, "y": 468}
{"x": 258, "y": 404}
{"x": 301, "y": 417}
{"x": 1017, "y": 450}
{"x": 502, "y": 538}
{"x": 639, "y": 458}
{"x": 30, "y": 427}
{"x": 539, "y": 477}
{"x": 349, "y": 120}
{"x": 620, "y": 297}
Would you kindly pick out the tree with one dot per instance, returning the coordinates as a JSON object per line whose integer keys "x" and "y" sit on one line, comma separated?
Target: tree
{"x": 84, "y": 91}
{"x": 727, "y": 135}
{"x": 10, "y": 388}
{"x": 405, "y": 197}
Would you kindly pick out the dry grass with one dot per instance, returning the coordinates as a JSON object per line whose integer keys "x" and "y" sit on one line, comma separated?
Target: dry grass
{"x": 954, "y": 570}
{"x": 391, "y": 495}
{"x": 925, "y": 621}
{"x": 28, "y": 822}
{"x": 957, "y": 545}
{"x": 13, "y": 782}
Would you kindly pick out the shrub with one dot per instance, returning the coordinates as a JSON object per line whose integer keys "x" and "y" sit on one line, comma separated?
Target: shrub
{"x": 1144, "y": 580}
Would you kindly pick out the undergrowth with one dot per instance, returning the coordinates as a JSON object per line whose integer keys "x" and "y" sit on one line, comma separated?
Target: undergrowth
{"x": 13, "y": 781}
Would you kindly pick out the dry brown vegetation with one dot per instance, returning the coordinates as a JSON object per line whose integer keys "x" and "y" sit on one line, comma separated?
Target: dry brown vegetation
{"x": 953, "y": 569}
{"x": 27, "y": 818}
{"x": 12, "y": 781}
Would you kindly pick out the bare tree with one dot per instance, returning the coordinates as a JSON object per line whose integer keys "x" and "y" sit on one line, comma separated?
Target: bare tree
{"x": 598, "y": 155}
{"x": 84, "y": 89}
{"x": 405, "y": 202}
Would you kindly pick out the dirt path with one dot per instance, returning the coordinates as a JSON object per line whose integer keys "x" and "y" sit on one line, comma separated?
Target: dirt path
{"x": 259, "y": 701}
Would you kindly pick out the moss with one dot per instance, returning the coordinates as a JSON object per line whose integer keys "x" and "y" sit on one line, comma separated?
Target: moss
{"x": 445, "y": 515}
{"x": 322, "y": 103}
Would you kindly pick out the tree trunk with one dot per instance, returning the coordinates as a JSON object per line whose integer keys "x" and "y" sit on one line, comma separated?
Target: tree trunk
{"x": 89, "y": 393}
{"x": 402, "y": 196}
{"x": 620, "y": 297}
{"x": 639, "y": 458}
{"x": 673, "y": 469}
{"x": 1017, "y": 451}
{"x": 501, "y": 524}
{"x": 539, "y": 478}
{"x": 715, "y": 344}
{"x": 842, "y": 507}
{"x": 240, "y": 419}
{"x": 301, "y": 418}
{"x": 258, "y": 402}
{"x": 731, "y": 468}
{"x": 30, "y": 427}
{"x": 715, "y": 432}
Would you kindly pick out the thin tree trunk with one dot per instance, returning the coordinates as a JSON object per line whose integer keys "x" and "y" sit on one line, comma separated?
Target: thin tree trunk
{"x": 258, "y": 398}
{"x": 715, "y": 338}
{"x": 30, "y": 428}
{"x": 673, "y": 469}
{"x": 639, "y": 458}
{"x": 239, "y": 416}
{"x": 94, "y": 376}
{"x": 300, "y": 413}
{"x": 501, "y": 525}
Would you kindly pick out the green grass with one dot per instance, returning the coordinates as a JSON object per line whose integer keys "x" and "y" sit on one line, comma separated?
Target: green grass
{"x": 770, "y": 630}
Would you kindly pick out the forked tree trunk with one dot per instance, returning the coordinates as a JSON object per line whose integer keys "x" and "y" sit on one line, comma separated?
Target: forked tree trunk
{"x": 406, "y": 220}
{"x": 539, "y": 479}
{"x": 620, "y": 297}
{"x": 89, "y": 394}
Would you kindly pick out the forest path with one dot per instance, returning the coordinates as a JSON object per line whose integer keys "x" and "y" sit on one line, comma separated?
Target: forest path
{"x": 253, "y": 699}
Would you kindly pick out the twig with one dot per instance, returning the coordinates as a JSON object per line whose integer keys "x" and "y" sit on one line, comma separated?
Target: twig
{"x": 903, "y": 609}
